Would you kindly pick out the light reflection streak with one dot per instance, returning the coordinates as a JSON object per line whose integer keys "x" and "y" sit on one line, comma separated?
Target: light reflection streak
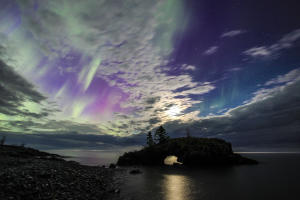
{"x": 177, "y": 187}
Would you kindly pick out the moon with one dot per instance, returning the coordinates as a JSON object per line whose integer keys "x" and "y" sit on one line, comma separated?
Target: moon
{"x": 173, "y": 111}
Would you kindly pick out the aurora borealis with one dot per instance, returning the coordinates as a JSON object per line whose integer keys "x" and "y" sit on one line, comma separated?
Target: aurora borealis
{"x": 101, "y": 73}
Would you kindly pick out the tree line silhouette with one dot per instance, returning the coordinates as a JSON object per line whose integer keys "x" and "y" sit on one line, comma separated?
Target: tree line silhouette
{"x": 160, "y": 136}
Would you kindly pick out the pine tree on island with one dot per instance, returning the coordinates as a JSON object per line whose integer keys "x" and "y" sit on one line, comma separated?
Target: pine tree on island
{"x": 150, "y": 141}
{"x": 160, "y": 135}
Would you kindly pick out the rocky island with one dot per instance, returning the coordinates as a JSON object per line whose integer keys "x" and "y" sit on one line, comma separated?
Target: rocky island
{"x": 190, "y": 151}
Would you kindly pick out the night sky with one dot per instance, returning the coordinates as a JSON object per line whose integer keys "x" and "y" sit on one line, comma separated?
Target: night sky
{"x": 99, "y": 74}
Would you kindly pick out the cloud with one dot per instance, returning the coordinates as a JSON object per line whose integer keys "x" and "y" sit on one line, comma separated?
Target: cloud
{"x": 17, "y": 94}
{"x": 58, "y": 134}
{"x": 288, "y": 78}
{"x": 21, "y": 105}
{"x": 72, "y": 58}
{"x": 270, "y": 117}
{"x": 232, "y": 33}
{"x": 127, "y": 48}
{"x": 234, "y": 69}
{"x": 112, "y": 77}
{"x": 211, "y": 50}
{"x": 286, "y": 42}
{"x": 72, "y": 140}
{"x": 188, "y": 67}
{"x": 258, "y": 51}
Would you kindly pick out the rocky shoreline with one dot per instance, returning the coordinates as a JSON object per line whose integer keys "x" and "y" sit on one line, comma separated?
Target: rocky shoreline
{"x": 27, "y": 173}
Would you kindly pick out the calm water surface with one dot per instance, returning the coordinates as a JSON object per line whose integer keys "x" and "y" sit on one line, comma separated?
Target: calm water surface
{"x": 89, "y": 157}
{"x": 276, "y": 177}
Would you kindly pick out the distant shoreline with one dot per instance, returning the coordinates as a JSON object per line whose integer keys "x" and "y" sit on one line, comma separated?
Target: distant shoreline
{"x": 267, "y": 152}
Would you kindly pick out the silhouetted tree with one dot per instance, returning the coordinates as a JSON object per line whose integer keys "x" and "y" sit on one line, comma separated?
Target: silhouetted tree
{"x": 2, "y": 141}
{"x": 150, "y": 140}
{"x": 161, "y": 135}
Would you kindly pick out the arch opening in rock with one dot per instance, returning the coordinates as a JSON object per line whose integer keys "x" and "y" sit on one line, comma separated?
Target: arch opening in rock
{"x": 171, "y": 160}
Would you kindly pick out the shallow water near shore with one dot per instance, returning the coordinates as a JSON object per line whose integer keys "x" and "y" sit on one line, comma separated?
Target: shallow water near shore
{"x": 276, "y": 177}
{"x": 88, "y": 157}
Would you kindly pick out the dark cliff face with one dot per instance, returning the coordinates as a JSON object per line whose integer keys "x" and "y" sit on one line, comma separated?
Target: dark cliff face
{"x": 190, "y": 151}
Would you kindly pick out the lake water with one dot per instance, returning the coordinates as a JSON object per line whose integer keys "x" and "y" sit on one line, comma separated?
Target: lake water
{"x": 276, "y": 177}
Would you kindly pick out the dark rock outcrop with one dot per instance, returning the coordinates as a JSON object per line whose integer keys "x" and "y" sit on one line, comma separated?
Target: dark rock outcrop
{"x": 135, "y": 171}
{"x": 190, "y": 151}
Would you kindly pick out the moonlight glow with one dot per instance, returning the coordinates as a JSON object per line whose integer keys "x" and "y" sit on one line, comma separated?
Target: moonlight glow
{"x": 173, "y": 111}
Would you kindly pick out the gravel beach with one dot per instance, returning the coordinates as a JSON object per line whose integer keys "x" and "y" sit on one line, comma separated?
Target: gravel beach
{"x": 27, "y": 173}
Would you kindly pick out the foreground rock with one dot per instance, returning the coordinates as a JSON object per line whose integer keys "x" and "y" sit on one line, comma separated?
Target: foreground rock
{"x": 135, "y": 171}
{"x": 30, "y": 174}
{"x": 190, "y": 151}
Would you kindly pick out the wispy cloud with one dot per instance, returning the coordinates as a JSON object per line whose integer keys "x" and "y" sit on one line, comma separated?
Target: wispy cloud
{"x": 211, "y": 50}
{"x": 103, "y": 72}
{"x": 288, "y": 78}
{"x": 15, "y": 92}
{"x": 261, "y": 119}
{"x": 258, "y": 51}
{"x": 232, "y": 33}
{"x": 74, "y": 140}
{"x": 188, "y": 67}
{"x": 107, "y": 66}
{"x": 287, "y": 41}
{"x": 20, "y": 104}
